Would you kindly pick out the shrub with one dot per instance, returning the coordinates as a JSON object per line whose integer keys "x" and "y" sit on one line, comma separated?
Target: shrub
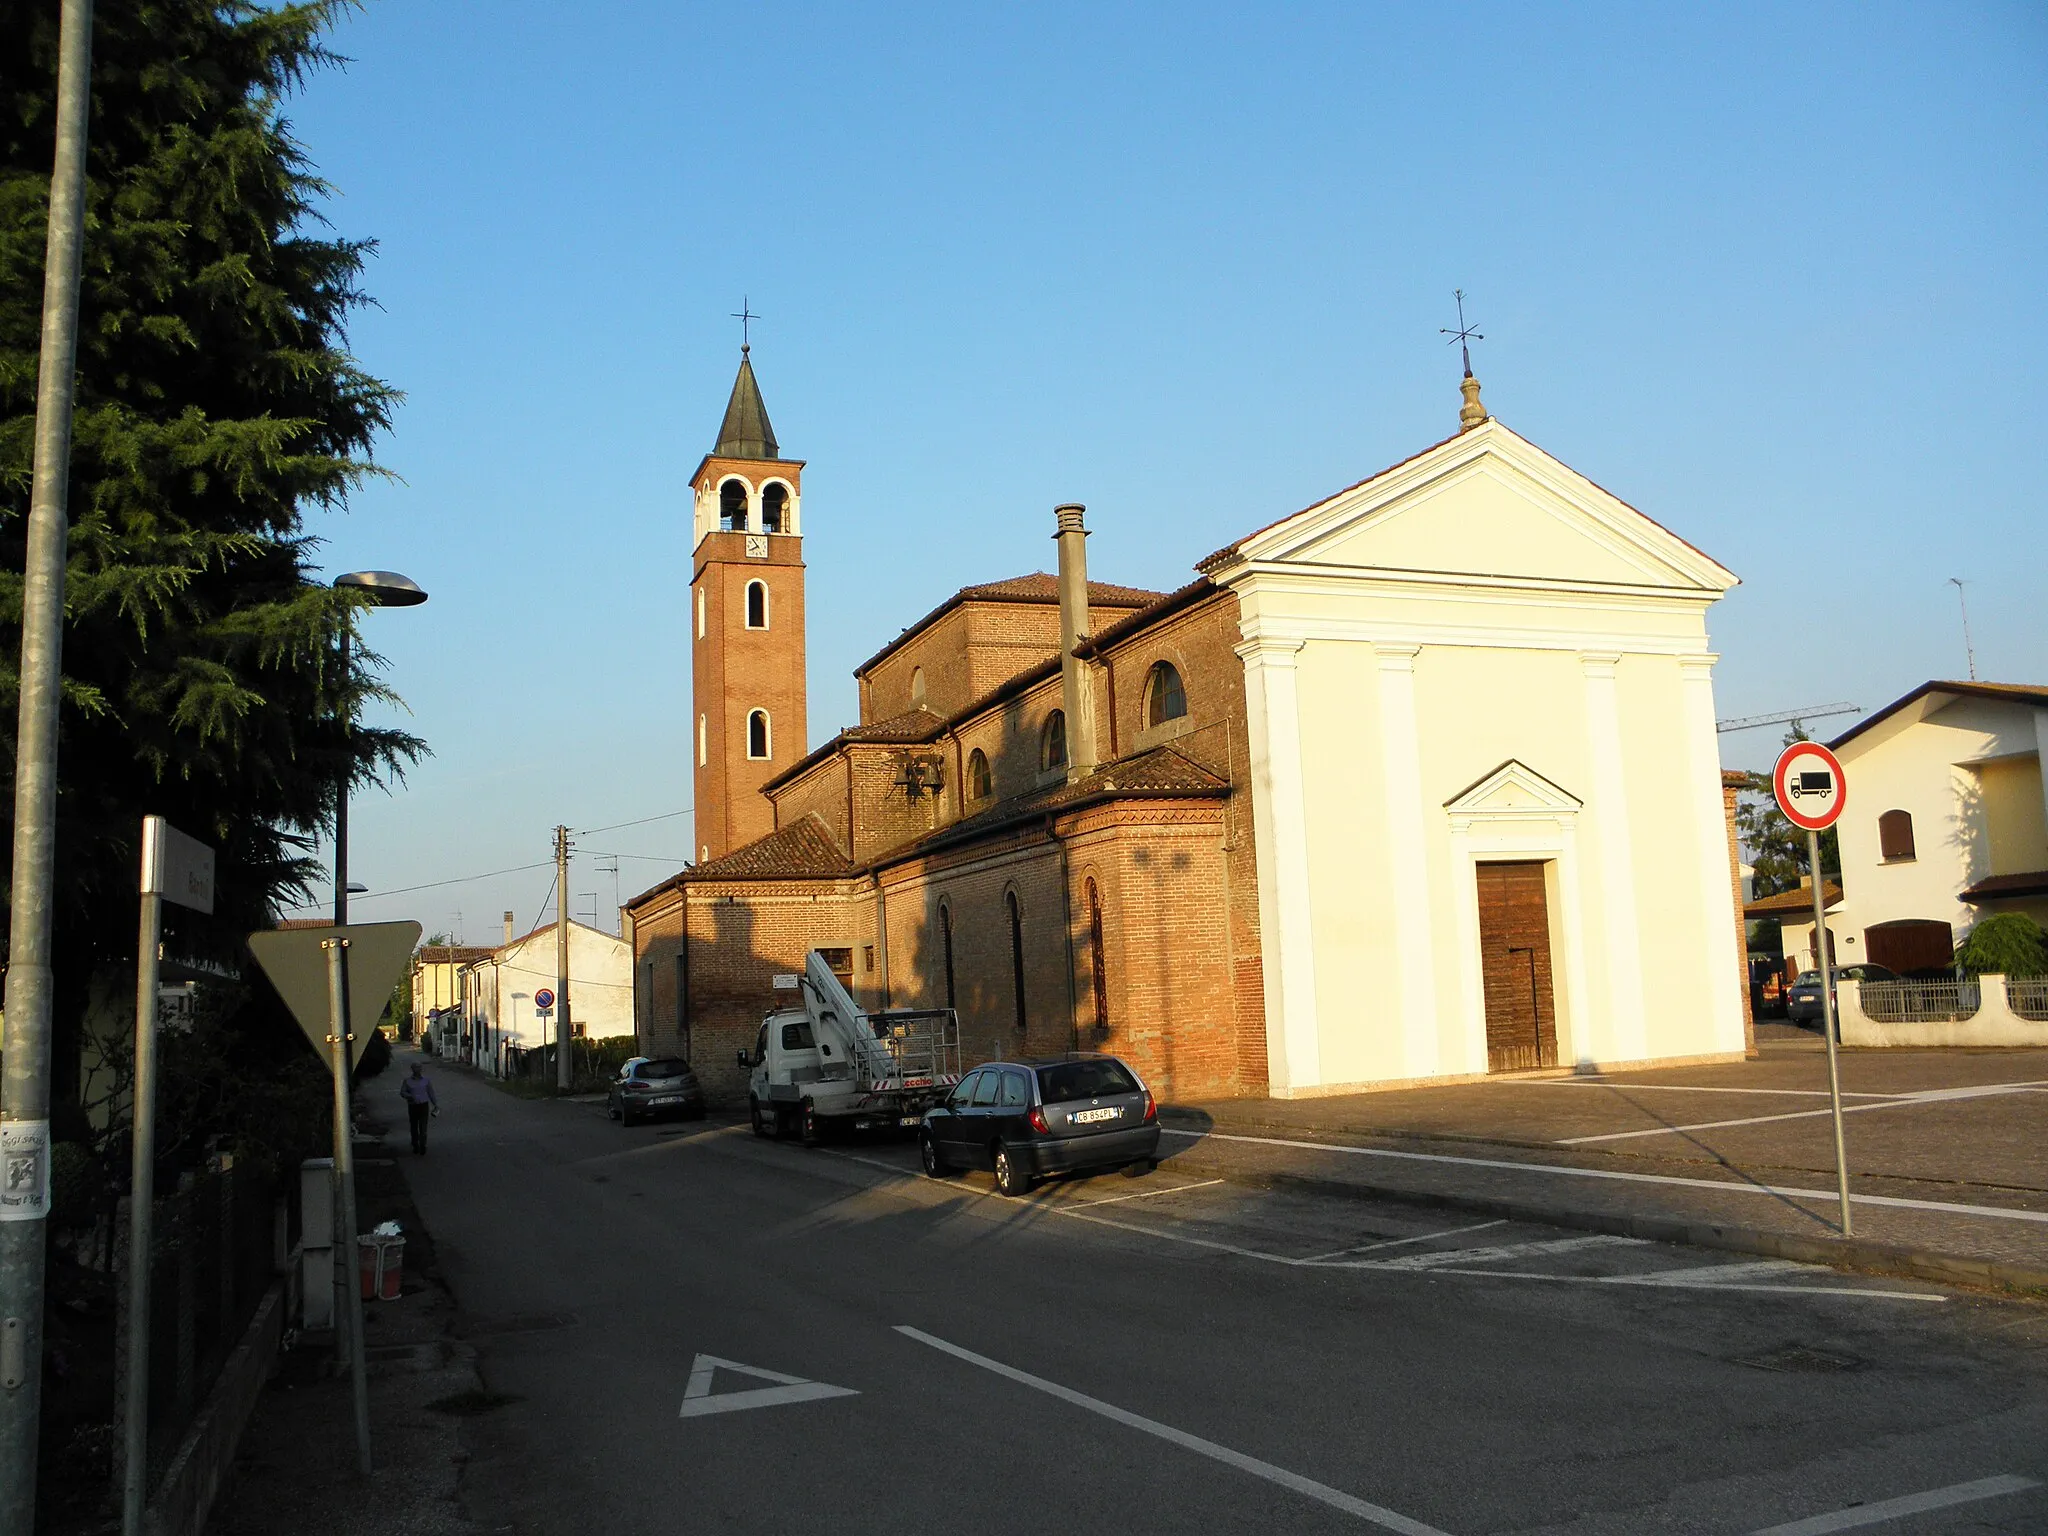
{"x": 375, "y": 1058}
{"x": 2010, "y": 944}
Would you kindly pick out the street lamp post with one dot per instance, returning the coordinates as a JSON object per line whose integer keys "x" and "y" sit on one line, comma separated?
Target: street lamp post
{"x": 385, "y": 589}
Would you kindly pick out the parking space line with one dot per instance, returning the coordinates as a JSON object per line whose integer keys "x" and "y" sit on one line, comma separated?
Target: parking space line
{"x": 1402, "y": 1242}
{"x": 1143, "y": 1194}
{"x": 1309, "y": 1488}
{"x": 1666, "y": 1280}
{"x": 1608, "y": 1082}
{"x": 1697, "y": 1275}
{"x": 1564, "y": 1170}
{"x": 1542, "y": 1249}
{"x": 1903, "y": 1101}
{"x": 1895, "y": 1509}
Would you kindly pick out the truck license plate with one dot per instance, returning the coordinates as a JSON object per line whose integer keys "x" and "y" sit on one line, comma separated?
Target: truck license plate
{"x": 1090, "y": 1116}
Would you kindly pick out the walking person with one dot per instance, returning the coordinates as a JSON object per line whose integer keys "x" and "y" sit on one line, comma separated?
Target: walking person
{"x": 420, "y": 1102}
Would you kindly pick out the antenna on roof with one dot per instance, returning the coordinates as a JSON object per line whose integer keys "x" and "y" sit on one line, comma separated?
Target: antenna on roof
{"x": 1464, "y": 335}
{"x": 1969, "y": 650}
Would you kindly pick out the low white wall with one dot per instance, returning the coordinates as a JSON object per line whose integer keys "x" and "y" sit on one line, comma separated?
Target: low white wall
{"x": 1994, "y": 1022}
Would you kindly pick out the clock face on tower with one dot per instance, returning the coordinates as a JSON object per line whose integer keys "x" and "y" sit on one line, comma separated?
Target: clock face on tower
{"x": 757, "y": 546}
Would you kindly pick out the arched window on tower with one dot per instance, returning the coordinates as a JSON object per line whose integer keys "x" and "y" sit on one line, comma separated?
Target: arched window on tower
{"x": 1165, "y": 698}
{"x": 758, "y": 741}
{"x": 732, "y": 506}
{"x": 946, "y": 942}
{"x": 1098, "y": 966}
{"x": 775, "y": 509}
{"x": 917, "y": 687}
{"x": 1052, "y": 742}
{"x": 1016, "y": 953}
{"x": 757, "y": 605}
{"x": 980, "y": 782}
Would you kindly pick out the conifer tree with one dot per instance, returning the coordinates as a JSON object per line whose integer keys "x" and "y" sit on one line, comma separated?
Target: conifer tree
{"x": 217, "y": 407}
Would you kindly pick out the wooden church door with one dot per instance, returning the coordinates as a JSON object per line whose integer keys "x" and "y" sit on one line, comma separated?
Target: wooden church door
{"x": 1514, "y": 951}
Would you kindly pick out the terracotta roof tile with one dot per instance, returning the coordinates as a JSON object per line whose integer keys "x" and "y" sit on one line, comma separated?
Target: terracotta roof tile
{"x": 918, "y": 724}
{"x": 1794, "y": 902}
{"x": 2006, "y": 887}
{"x": 803, "y": 849}
{"x": 450, "y": 954}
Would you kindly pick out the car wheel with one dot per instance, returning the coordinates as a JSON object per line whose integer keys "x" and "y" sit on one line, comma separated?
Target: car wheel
{"x": 1011, "y": 1178}
{"x": 935, "y": 1166}
{"x": 760, "y": 1121}
{"x": 1140, "y": 1168}
{"x": 611, "y": 1109}
{"x": 785, "y": 1123}
{"x": 625, "y": 1116}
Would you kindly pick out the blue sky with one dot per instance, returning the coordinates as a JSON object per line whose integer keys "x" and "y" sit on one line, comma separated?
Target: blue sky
{"x": 1772, "y": 274}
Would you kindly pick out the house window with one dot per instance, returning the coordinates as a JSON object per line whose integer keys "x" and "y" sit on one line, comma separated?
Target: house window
{"x": 757, "y": 605}
{"x": 1016, "y": 954}
{"x": 917, "y": 687}
{"x": 980, "y": 782}
{"x": 757, "y": 734}
{"x": 1097, "y": 964}
{"x": 946, "y": 943}
{"x": 1165, "y": 698}
{"x": 1052, "y": 742}
{"x": 732, "y": 506}
{"x": 1895, "y": 836}
{"x": 703, "y": 742}
{"x": 775, "y": 509}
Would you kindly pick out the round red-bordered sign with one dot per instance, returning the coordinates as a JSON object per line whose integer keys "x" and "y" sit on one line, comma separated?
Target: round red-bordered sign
{"x": 1809, "y": 785}
{"x": 544, "y": 999}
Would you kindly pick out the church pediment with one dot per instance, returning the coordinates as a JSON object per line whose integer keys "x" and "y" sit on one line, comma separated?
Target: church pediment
{"x": 1513, "y": 788}
{"x": 1488, "y": 504}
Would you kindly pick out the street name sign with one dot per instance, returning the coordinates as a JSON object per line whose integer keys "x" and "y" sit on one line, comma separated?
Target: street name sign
{"x": 295, "y": 960}
{"x": 176, "y": 867}
{"x": 1809, "y": 785}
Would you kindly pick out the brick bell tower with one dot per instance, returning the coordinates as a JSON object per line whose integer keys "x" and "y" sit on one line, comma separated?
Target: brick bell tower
{"x": 746, "y": 622}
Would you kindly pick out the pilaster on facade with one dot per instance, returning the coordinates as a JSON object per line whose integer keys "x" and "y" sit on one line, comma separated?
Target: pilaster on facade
{"x": 1280, "y": 832}
{"x": 1627, "y": 1031}
{"x": 1404, "y": 836}
{"x": 1724, "y": 940}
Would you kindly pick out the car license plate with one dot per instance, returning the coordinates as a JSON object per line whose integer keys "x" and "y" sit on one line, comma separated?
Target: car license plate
{"x": 1091, "y": 1116}
{"x": 908, "y": 1120}
{"x": 674, "y": 1098}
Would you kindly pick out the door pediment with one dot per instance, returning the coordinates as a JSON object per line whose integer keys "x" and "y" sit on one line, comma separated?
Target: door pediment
{"x": 1514, "y": 788}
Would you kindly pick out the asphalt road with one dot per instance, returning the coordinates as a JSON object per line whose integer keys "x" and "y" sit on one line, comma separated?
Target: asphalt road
{"x": 1162, "y": 1354}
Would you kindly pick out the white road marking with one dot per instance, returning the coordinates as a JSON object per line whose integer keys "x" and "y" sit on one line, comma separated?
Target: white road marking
{"x": 1724, "y": 1186}
{"x": 1698, "y": 1275}
{"x": 1894, "y": 1509}
{"x": 1143, "y": 1194}
{"x": 1665, "y": 1280}
{"x": 698, "y": 1401}
{"x": 1607, "y": 1082}
{"x": 1467, "y": 1256}
{"x": 1402, "y": 1242}
{"x": 1904, "y": 1101}
{"x": 1308, "y": 1487}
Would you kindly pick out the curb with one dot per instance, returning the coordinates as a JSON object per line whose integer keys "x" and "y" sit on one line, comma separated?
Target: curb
{"x": 1851, "y": 1254}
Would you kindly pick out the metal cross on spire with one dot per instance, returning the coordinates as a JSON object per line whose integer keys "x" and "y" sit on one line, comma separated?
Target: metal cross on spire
{"x": 746, "y": 317}
{"x": 1464, "y": 335}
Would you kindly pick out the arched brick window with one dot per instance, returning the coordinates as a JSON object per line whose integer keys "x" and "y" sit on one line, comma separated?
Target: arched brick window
{"x": 1895, "y": 836}
{"x": 980, "y": 782}
{"x": 1165, "y": 698}
{"x": 1016, "y": 953}
{"x": 775, "y": 509}
{"x": 1098, "y": 965}
{"x": 946, "y": 944}
{"x": 757, "y": 605}
{"x": 917, "y": 687}
{"x": 732, "y": 506}
{"x": 759, "y": 742}
{"x": 1052, "y": 742}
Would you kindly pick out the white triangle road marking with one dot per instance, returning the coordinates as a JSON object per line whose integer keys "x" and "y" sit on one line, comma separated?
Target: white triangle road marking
{"x": 698, "y": 1401}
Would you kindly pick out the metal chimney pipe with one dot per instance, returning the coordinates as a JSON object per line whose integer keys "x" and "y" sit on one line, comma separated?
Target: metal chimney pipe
{"x": 1077, "y": 696}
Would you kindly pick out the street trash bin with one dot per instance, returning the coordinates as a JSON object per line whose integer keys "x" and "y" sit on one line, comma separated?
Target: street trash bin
{"x": 380, "y": 1255}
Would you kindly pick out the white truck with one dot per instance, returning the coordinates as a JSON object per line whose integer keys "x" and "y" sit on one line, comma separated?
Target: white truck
{"x": 823, "y": 1065}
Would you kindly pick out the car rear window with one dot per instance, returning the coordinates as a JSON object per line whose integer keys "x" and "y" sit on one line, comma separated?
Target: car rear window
{"x": 673, "y": 1066}
{"x": 1084, "y": 1080}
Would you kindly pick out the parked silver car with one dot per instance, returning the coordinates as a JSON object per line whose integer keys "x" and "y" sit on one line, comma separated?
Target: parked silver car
{"x": 1802, "y": 1003}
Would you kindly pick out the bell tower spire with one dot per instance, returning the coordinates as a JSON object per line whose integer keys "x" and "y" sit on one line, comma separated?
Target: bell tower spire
{"x": 746, "y": 620}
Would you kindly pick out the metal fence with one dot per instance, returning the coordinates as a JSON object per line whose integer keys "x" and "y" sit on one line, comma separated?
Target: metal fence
{"x": 1919, "y": 1002}
{"x": 2027, "y": 996}
{"x": 221, "y": 1237}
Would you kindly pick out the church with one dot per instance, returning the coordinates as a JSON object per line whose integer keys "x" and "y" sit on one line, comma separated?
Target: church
{"x": 1414, "y": 785}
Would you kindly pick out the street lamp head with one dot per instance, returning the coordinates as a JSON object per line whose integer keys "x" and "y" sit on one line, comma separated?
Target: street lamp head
{"x": 386, "y": 589}
{"x": 357, "y": 888}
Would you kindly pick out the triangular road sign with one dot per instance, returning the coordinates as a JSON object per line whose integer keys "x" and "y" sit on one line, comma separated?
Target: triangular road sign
{"x": 698, "y": 1401}
{"x": 295, "y": 960}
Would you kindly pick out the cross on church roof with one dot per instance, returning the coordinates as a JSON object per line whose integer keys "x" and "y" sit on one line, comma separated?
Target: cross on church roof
{"x": 1464, "y": 335}
{"x": 746, "y": 317}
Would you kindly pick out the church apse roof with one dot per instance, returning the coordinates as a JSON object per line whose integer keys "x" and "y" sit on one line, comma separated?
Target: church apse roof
{"x": 801, "y": 850}
{"x": 1037, "y": 587}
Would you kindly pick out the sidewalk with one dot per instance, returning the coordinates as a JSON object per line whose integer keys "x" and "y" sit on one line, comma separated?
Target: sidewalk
{"x": 1948, "y": 1154}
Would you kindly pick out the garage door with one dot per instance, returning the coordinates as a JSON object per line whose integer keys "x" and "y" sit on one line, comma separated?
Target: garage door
{"x": 1514, "y": 946}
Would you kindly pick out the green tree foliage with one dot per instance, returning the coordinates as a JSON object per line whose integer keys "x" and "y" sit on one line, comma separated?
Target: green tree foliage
{"x": 217, "y": 405}
{"x": 1775, "y": 848}
{"x": 2010, "y": 944}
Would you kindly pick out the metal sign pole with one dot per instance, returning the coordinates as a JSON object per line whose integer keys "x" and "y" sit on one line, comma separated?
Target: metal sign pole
{"x": 348, "y": 1302}
{"x": 141, "y": 1195}
{"x": 1825, "y": 965}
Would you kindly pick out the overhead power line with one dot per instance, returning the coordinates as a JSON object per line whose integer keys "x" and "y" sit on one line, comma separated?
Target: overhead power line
{"x": 664, "y": 816}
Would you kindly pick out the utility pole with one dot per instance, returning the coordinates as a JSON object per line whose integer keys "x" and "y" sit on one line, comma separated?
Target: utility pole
{"x": 25, "y": 1090}
{"x": 563, "y": 1076}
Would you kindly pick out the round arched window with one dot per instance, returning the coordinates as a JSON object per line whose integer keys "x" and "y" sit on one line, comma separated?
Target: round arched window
{"x": 917, "y": 687}
{"x": 732, "y": 506}
{"x": 757, "y": 605}
{"x": 1165, "y": 698}
{"x": 775, "y": 509}
{"x": 1052, "y": 742}
{"x": 758, "y": 744}
{"x": 980, "y": 782}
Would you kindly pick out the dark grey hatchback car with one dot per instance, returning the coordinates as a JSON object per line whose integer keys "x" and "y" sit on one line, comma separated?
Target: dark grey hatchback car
{"x": 1026, "y": 1119}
